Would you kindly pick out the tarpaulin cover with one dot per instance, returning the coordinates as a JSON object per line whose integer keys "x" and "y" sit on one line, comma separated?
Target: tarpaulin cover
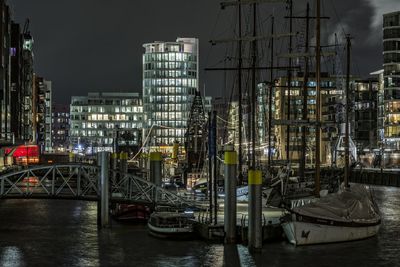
{"x": 354, "y": 204}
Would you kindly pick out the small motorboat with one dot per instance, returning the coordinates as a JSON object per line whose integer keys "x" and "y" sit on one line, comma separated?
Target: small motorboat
{"x": 174, "y": 224}
{"x": 350, "y": 214}
{"x": 131, "y": 212}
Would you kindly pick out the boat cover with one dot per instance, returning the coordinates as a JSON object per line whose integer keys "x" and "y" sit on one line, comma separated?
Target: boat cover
{"x": 354, "y": 204}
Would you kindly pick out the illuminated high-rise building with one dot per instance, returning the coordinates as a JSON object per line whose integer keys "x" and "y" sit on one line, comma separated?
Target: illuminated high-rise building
{"x": 5, "y": 58}
{"x": 105, "y": 122}
{"x": 60, "y": 127}
{"x": 391, "y": 79}
{"x": 42, "y": 103}
{"x": 170, "y": 80}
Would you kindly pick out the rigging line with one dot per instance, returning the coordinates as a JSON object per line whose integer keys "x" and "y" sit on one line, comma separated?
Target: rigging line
{"x": 221, "y": 119}
{"x": 221, "y": 61}
{"x": 326, "y": 60}
{"x": 232, "y": 50}
{"x": 281, "y": 42}
{"x": 248, "y": 20}
{"x": 232, "y": 86}
{"x": 212, "y": 35}
{"x": 202, "y": 149}
{"x": 263, "y": 59}
{"x": 247, "y": 103}
{"x": 273, "y": 54}
{"x": 296, "y": 115}
{"x": 337, "y": 17}
{"x": 355, "y": 64}
{"x": 147, "y": 138}
{"x": 225, "y": 134}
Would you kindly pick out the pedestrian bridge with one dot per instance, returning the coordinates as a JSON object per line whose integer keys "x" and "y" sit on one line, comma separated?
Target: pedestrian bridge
{"x": 82, "y": 182}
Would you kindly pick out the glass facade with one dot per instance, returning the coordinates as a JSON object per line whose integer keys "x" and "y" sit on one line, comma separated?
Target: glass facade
{"x": 391, "y": 78}
{"x": 170, "y": 80}
{"x": 60, "y": 127}
{"x": 262, "y": 112}
{"x": 365, "y": 113}
{"x": 328, "y": 97}
{"x": 105, "y": 121}
{"x": 42, "y": 113}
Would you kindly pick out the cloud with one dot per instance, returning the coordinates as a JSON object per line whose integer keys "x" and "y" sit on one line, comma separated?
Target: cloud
{"x": 381, "y": 7}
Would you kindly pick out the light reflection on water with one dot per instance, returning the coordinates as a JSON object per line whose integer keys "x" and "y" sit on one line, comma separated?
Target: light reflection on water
{"x": 64, "y": 233}
{"x": 11, "y": 257}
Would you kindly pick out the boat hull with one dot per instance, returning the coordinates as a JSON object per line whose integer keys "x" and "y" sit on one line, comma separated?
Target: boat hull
{"x": 131, "y": 213}
{"x": 305, "y": 233}
{"x": 170, "y": 232}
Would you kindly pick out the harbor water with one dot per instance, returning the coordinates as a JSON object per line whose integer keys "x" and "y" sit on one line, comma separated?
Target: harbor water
{"x": 65, "y": 233}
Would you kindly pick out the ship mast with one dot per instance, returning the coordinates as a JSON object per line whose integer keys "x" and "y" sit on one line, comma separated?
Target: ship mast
{"x": 240, "y": 178}
{"x": 270, "y": 95}
{"x": 347, "y": 130}
{"x": 289, "y": 84}
{"x": 305, "y": 92}
{"x": 318, "y": 100}
{"x": 253, "y": 90}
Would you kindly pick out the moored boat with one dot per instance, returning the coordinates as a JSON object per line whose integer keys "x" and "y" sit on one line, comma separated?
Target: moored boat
{"x": 166, "y": 224}
{"x": 350, "y": 214}
{"x": 131, "y": 212}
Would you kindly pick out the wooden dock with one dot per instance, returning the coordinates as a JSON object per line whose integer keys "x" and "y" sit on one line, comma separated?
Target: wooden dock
{"x": 272, "y": 229}
{"x": 374, "y": 176}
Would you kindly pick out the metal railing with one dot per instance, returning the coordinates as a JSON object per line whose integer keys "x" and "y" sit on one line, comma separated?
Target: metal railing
{"x": 81, "y": 182}
{"x": 133, "y": 188}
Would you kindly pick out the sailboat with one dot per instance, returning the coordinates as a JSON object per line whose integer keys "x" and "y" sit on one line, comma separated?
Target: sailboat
{"x": 351, "y": 213}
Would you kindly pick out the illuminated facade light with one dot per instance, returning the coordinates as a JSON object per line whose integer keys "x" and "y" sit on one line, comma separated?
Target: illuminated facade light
{"x": 170, "y": 80}
{"x": 106, "y": 121}
{"x": 391, "y": 79}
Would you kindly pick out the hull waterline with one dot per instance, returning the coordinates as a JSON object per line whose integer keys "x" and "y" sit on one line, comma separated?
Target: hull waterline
{"x": 305, "y": 233}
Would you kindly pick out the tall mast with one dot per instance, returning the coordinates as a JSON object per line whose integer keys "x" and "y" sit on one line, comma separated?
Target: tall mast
{"x": 240, "y": 109}
{"x": 347, "y": 130}
{"x": 305, "y": 92}
{"x": 254, "y": 176}
{"x": 253, "y": 90}
{"x": 252, "y": 68}
{"x": 289, "y": 73}
{"x": 270, "y": 94}
{"x": 318, "y": 101}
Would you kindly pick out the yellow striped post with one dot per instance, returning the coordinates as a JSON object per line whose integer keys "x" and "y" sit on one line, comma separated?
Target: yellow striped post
{"x": 155, "y": 156}
{"x": 175, "y": 150}
{"x": 123, "y": 156}
{"x": 255, "y": 210}
{"x": 155, "y": 167}
{"x": 123, "y": 162}
{"x": 230, "y": 158}
{"x": 230, "y": 161}
{"x": 114, "y": 165}
{"x": 255, "y": 177}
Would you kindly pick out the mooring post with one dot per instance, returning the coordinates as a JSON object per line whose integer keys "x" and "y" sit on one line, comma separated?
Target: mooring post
{"x": 71, "y": 159}
{"x": 230, "y": 161}
{"x": 2, "y": 187}
{"x": 103, "y": 215}
{"x": 114, "y": 164}
{"x": 123, "y": 169}
{"x": 123, "y": 163}
{"x": 155, "y": 171}
{"x": 255, "y": 208}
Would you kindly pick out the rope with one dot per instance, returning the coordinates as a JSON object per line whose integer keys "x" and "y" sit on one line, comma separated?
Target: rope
{"x": 147, "y": 139}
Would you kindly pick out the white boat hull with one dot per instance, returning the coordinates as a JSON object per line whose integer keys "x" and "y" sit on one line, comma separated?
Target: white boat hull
{"x": 305, "y": 233}
{"x": 165, "y": 232}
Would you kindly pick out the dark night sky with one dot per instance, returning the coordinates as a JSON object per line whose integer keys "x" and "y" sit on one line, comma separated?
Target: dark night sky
{"x": 96, "y": 45}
